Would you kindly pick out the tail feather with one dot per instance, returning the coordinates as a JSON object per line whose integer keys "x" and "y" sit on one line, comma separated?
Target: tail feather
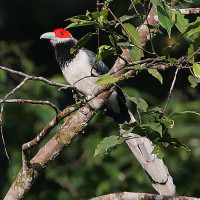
{"x": 155, "y": 168}
{"x": 141, "y": 147}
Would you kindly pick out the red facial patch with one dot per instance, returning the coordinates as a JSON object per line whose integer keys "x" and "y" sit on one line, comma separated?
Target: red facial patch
{"x": 62, "y": 33}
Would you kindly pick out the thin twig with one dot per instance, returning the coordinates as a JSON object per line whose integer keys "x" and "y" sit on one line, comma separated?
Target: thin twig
{"x": 3, "y": 140}
{"x": 14, "y": 90}
{"x": 194, "y": 54}
{"x": 50, "y": 125}
{"x": 35, "y": 78}
{"x": 170, "y": 91}
{"x": 129, "y": 35}
{"x": 31, "y": 102}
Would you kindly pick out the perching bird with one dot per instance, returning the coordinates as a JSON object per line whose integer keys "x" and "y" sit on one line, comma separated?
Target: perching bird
{"x": 79, "y": 71}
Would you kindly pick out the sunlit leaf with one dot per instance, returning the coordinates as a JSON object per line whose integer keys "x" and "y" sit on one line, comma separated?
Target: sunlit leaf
{"x": 141, "y": 103}
{"x": 177, "y": 114}
{"x": 157, "y": 3}
{"x": 158, "y": 151}
{"x": 193, "y": 28}
{"x": 168, "y": 123}
{"x": 137, "y": 68}
{"x": 133, "y": 2}
{"x": 181, "y": 22}
{"x": 104, "y": 51}
{"x": 128, "y": 17}
{"x": 165, "y": 19}
{"x": 83, "y": 23}
{"x": 107, "y": 79}
{"x": 108, "y": 144}
{"x": 136, "y": 51}
{"x": 193, "y": 81}
{"x": 156, "y": 74}
{"x": 153, "y": 126}
{"x": 196, "y": 70}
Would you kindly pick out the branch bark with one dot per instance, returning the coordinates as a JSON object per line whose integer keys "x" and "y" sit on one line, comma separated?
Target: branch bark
{"x": 140, "y": 196}
{"x": 68, "y": 131}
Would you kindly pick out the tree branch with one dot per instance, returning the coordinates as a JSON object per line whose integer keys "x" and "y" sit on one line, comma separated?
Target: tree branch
{"x": 140, "y": 196}
{"x": 68, "y": 131}
{"x": 35, "y": 78}
{"x": 31, "y": 102}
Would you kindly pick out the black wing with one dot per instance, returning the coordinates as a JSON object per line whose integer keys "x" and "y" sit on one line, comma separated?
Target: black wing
{"x": 100, "y": 66}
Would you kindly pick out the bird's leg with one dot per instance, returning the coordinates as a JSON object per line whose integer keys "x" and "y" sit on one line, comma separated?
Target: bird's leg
{"x": 76, "y": 95}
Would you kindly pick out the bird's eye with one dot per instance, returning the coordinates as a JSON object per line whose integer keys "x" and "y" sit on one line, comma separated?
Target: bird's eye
{"x": 61, "y": 33}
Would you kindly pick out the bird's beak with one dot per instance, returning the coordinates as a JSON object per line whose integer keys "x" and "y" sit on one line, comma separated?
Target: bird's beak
{"x": 48, "y": 35}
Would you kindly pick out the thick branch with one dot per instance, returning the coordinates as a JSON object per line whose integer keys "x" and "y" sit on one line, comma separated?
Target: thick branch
{"x": 68, "y": 131}
{"x": 187, "y": 11}
{"x": 140, "y": 196}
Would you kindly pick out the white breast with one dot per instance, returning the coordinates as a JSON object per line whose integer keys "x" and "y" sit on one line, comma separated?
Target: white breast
{"x": 78, "y": 74}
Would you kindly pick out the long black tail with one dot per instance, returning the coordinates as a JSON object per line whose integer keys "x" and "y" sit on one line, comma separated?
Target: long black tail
{"x": 140, "y": 146}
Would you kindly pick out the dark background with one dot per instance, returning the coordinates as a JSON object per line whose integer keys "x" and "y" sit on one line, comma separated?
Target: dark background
{"x": 76, "y": 174}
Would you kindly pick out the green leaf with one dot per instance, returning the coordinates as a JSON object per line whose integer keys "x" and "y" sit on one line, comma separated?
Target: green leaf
{"x": 107, "y": 79}
{"x": 129, "y": 125}
{"x": 157, "y": 3}
{"x": 77, "y": 18}
{"x": 108, "y": 144}
{"x": 172, "y": 60}
{"x": 193, "y": 81}
{"x": 158, "y": 151}
{"x": 133, "y": 2}
{"x": 193, "y": 28}
{"x": 168, "y": 123}
{"x": 196, "y": 70}
{"x": 156, "y": 74}
{"x": 82, "y": 42}
{"x": 135, "y": 51}
{"x": 181, "y": 23}
{"x": 168, "y": 140}
{"x": 128, "y": 17}
{"x": 104, "y": 12}
{"x": 114, "y": 39}
{"x": 132, "y": 33}
{"x": 137, "y": 68}
{"x": 165, "y": 18}
{"x": 193, "y": 31}
{"x": 153, "y": 126}
{"x": 104, "y": 51}
{"x": 141, "y": 103}
{"x": 177, "y": 114}
{"x": 83, "y": 23}
{"x": 96, "y": 15}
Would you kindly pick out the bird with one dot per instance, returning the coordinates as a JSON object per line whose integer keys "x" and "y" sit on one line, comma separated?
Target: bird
{"x": 81, "y": 71}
